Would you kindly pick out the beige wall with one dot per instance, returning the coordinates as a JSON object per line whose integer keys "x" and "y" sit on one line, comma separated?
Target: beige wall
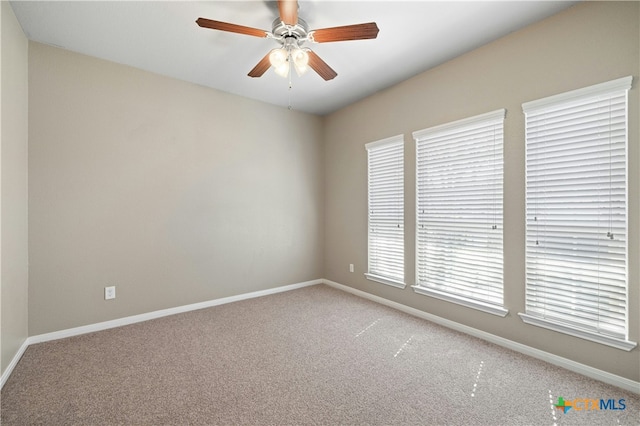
{"x": 13, "y": 167}
{"x": 178, "y": 194}
{"x": 587, "y": 44}
{"x": 172, "y": 192}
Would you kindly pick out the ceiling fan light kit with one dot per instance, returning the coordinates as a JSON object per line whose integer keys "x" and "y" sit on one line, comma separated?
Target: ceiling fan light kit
{"x": 291, "y": 32}
{"x": 288, "y": 56}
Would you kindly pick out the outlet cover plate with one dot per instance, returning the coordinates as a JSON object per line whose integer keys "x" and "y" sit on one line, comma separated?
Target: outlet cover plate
{"x": 110, "y": 292}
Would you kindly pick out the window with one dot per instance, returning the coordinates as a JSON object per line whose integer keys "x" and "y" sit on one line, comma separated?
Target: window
{"x": 386, "y": 211}
{"x": 459, "y": 212}
{"x": 576, "y": 199}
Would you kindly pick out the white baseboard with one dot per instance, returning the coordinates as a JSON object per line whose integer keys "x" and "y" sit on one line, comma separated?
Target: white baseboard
{"x": 585, "y": 370}
{"x": 14, "y": 361}
{"x": 76, "y": 331}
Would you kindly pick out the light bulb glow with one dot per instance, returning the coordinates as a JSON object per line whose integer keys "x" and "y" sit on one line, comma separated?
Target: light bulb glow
{"x": 300, "y": 60}
{"x": 282, "y": 70}
{"x": 277, "y": 57}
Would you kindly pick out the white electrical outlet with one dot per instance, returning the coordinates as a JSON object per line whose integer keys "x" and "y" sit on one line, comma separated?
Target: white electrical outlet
{"x": 351, "y": 267}
{"x": 110, "y": 292}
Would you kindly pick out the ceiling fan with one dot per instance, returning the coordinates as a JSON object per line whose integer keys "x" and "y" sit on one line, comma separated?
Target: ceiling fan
{"x": 291, "y": 32}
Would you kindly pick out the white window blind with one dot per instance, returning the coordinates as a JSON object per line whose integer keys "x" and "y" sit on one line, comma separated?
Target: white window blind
{"x": 386, "y": 211}
{"x": 459, "y": 212}
{"x": 576, "y": 219}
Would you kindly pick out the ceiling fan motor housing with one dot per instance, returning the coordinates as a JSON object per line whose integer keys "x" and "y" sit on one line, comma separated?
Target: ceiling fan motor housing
{"x": 282, "y": 31}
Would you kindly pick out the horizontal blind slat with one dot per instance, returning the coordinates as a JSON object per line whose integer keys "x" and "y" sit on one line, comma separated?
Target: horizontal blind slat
{"x": 459, "y": 174}
{"x": 386, "y": 209}
{"x": 576, "y": 182}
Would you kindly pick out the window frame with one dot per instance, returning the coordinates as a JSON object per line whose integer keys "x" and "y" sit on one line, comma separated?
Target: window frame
{"x": 487, "y": 120}
{"x": 374, "y": 274}
{"x": 588, "y": 330}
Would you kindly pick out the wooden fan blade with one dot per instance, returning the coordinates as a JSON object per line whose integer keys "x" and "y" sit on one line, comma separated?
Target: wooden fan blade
{"x": 232, "y": 28}
{"x": 261, "y": 67}
{"x": 348, "y": 32}
{"x": 320, "y": 66}
{"x": 288, "y": 11}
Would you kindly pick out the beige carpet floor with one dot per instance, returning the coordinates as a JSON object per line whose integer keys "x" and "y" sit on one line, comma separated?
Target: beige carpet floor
{"x": 310, "y": 356}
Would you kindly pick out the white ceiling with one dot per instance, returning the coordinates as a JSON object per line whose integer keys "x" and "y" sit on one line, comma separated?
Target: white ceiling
{"x": 162, "y": 37}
